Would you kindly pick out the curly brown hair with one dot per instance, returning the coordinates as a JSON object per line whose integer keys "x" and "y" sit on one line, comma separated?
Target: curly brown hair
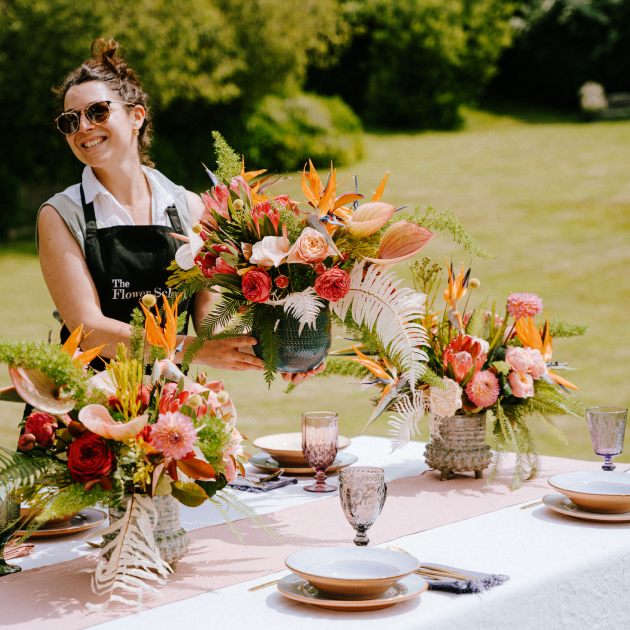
{"x": 112, "y": 69}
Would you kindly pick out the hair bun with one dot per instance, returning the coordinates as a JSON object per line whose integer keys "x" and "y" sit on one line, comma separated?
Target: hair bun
{"x": 104, "y": 52}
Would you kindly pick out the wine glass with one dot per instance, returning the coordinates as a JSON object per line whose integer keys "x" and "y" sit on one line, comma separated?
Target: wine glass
{"x": 9, "y": 515}
{"x": 362, "y": 492}
{"x": 320, "y": 432}
{"x": 607, "y": 426}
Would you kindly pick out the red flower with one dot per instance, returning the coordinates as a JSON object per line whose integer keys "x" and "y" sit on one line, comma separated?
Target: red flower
{"x": 262, "y": 210}
{"x": 463, "y": 358}
{"x": 256, "y": 285}
{"x": 171, "y": 399}
{"x": 90, "y": 461}
{"x": 288, "y": 204}
{"x": 223, "y": 267}
{"x": 333, "y": 285}
{"x": 143, "y": 398}
{"x": 40, "y": 429}
{"x": 282, "y": 282}
{"x": 320, "y": 268}
{"x": 145, "y": 434}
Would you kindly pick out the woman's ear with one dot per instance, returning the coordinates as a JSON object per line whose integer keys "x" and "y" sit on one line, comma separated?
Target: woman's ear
{"x": 138, "y": 115}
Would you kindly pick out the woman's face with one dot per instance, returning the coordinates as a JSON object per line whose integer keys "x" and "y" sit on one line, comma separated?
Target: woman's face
{"x": 109, "y": 143}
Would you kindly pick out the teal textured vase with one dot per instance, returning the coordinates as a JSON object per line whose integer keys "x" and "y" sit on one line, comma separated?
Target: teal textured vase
{"x": 299, "y": 353}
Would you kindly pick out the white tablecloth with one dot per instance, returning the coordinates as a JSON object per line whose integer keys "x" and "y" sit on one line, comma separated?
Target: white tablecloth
{"x": 565, "y": 574}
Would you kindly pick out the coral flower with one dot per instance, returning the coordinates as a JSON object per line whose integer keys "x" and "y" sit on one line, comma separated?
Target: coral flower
{"x": 462, "y": 355}
{"x": 522, "y": 384}
{"x": 174, "y": 435}
{"x": 483, "y": 390}
{"x": 524, "y": 305}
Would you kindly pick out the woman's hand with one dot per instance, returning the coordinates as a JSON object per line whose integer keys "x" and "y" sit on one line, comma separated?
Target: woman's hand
{"x": 297, "y": 379}
{"x": 224, "y": 354}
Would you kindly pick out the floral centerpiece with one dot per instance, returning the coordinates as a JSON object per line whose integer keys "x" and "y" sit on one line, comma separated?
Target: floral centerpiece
{"x": 498, "y": 364}
{"x": 283, "y": 270}
{"x": 121, "y": 439}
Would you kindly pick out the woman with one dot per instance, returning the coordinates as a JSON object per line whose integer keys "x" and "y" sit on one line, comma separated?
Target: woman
{"x": 106, "y": 241}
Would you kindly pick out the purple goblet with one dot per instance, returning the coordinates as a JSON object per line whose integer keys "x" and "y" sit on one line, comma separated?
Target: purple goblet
{"x": 320, "y": 432}
{"x": 607, "y": 426}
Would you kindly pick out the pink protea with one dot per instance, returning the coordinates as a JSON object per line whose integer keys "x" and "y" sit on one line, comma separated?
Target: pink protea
{"x": 216, "y": 199}
{"x": 262, "y": 210}
{"x": 240, "y": 186}
{"x": 461, "y": 354}
{"x": 173, "y": 434}
{"x": 483, "y": 390}
{"x": 524, "y": 305}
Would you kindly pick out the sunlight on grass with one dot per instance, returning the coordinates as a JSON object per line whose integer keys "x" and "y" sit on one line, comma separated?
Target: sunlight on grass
{"x": 550, "y": 199}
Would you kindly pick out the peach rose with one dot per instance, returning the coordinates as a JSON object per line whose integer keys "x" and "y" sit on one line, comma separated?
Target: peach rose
{"x": 310, "y": 248}
{"x": 522, "y": 384}
{"x": 540, "y": 367}
{"x": 519, "y": 359}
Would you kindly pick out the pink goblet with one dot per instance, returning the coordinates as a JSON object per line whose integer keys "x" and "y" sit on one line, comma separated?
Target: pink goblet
{"x": 320, "y": 432}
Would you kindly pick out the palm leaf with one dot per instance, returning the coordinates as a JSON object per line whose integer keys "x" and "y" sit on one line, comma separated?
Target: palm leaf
{"x": 304, "y": 306}
{"x": 377, "y": 303}
{"x": 411, "y": 410}
{"x": 18, "y": 471}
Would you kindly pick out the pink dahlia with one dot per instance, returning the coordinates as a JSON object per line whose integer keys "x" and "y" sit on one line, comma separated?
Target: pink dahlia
{"x": 524, "y": 305}
{"x": 483, "y": 390}
{"x": 173, "y": 434}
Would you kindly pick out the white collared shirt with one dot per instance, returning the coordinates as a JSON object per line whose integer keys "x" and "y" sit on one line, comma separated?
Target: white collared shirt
{"x": 108, "y": 210}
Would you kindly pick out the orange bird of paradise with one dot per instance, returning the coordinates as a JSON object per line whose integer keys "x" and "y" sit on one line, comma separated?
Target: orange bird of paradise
{"x": 540, "y": 340}
{"x": 164, "y": 337}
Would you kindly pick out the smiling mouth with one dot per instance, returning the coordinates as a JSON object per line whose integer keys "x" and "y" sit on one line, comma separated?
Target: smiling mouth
{"x": 92, "y": 143}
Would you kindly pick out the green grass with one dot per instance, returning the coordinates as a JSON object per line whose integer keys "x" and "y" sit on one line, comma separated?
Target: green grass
{"x": 550, "y": 197}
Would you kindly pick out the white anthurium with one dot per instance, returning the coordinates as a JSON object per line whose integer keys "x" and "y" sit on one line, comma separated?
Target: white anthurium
{"x": 304, "y": 306}
{"x": 185, "y": 256}
{"x": 271, "y": 251}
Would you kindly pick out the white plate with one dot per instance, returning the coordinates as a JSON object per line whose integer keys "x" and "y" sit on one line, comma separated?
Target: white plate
{"x": 286, "y": 448}
{"x": 265, "y": 462}
{"x": 563, "y": 505}
{"x": 595, "y": 491}
{"x": 300, "y": 590}
{"x": 85, "y": 519}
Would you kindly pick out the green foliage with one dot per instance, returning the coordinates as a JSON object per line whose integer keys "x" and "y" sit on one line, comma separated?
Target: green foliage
{"x": 502, "y": 367}
{"x": 228, "y": 163}
{"x": 293, "y": 223}
{"x": 136, "y": 339}
{"x": 431, "y": 378}
{"x": 560, "y": 328}
{"x": 188, "y": 493}
{"x": 342, "y": 367}
{"x": 285, "y": 131}
{"x": 212, "y": 487}
{"x": 412, "y": 63}
{"x": 357, "y": 248}
{"x": 475, "y": 323}
{"x": 426, "y": 275}
{"x": 74, "y": 498}
{"x": 265, "y": 319}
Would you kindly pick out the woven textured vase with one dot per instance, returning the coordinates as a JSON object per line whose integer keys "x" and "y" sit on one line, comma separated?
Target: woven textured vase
{"x": 170, "y": 536}
{"x": 299, "y": 353}
{"x": 461, "y": 446}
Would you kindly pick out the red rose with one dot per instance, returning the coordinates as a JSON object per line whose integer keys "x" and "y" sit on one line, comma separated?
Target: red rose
{"x": 282, "y": 282}
{"x": 333, "y": 285}
{"x": 40, "y": 428}
{"x": 256, "y": 285}
{"x": 89, "y": 459}
{"x": 320, "y": 268}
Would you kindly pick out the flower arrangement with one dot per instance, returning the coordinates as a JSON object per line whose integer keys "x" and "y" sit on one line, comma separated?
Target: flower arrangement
{"x": 497, "y": 364}
{"x": 274, "y": 261}
{"x": 119, "y": 438}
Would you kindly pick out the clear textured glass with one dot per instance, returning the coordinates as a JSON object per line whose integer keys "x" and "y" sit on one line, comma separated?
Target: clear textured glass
{"x": 320, "y": 431}
{"x": 362, "y": 492}
{"x": 9, "y": 515}
{"x": 608, "y": 427}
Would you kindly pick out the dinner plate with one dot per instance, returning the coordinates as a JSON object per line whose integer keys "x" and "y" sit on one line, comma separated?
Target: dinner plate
{"x": 264, "y": 461}
{"x": 286, "y": 448}
{"x": 563, "y": 505}
{"x": 595, "y": 491}
{"x": 85, "y": 519}
{"x": 299, "y": 589}
{"x": 352, "y": 573}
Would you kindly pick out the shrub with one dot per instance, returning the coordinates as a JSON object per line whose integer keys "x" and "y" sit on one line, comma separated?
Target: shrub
{"x": 283, "y": 132}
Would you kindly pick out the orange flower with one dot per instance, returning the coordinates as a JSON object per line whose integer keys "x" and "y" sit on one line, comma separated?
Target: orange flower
{"x": 166, "y": 337}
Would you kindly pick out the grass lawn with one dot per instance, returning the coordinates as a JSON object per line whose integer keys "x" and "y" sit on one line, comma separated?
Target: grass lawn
{"x": 549, "y": 197}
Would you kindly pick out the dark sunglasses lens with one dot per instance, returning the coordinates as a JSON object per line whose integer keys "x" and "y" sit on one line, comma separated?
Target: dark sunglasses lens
{"x": 97, "y": 113}
{"x": 68, "y": 123}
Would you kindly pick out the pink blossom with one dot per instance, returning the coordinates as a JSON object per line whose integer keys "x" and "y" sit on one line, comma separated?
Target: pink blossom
{"x": 239, "y": 185}
{"x": 522, "y": 384}
{"x": 235, "y": 450}
{"x": 519, "y": 359}
{"x": 216, "y": 199}
{"x": 263, "y": 210}
{"x": 483, "y": 390}
{"x": 539, "y": 368}
{"x": 173, "y": 434}
{"x": 524, "y": 305}
{"x": 461, "y": 354}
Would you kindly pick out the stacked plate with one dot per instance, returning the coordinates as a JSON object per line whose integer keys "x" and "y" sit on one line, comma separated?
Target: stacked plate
{"x": 591, "y": 495}
{"x": 284, "y": 450}
{"x": 352, "y": 578}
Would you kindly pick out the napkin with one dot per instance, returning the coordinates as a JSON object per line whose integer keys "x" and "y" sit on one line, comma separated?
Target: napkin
{"x": 248, "y": 486}
{"x": 17, "y": 551}
{"x": 481, "y": 581}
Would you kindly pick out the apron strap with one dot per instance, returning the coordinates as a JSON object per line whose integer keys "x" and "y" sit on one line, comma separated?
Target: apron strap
{"x": 173, "y": 215}
{"x": 90, "y": 217}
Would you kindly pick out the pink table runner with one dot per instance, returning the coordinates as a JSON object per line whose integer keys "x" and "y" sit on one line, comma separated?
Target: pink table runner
{"x": 55, "y": 595}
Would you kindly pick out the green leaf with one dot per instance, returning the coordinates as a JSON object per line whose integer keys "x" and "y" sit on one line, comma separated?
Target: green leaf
{"x": 188, "y": 494}
{"x": 502, "y": 367}
{"x": 269, "y": 340}
{"x": 212, "y": 487}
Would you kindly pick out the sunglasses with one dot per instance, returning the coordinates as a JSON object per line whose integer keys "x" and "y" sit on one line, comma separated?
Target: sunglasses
{"x": 97, "y": 113}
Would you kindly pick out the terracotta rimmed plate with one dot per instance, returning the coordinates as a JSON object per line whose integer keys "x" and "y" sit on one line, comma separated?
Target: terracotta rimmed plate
{"x": 595, "y": 491}
{"x": 563, "y": 505}
{"x": 352, "y": 573}
{"x": 286, "y": 448}
{"x": 265, "y": 462}
{"x": 299, "y": 589}
{"x": 85, "y": 519}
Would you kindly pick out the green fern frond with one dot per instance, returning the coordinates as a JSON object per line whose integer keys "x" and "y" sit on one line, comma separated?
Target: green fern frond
{"x": 431, "y": 378}
{"x": 476, "y": 322}
{"x": 269, "y": 341}
{"x": 559, "y": 328}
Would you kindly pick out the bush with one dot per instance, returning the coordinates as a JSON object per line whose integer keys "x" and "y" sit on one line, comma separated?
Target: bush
{"x": 284, "y": 132}
{"x": 412, "y": 63}
{"x": 563, "y": 44}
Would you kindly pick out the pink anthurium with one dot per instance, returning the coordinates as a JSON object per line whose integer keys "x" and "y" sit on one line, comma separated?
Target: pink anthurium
{"x": 401, "y": 241}
{"x": 40, "y": 391}
{"x": 96, "y": 418}
{"x": 369, "y": 218}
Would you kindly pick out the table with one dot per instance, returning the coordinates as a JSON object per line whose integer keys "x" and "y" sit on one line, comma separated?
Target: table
{"x": 564, "y": 573}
